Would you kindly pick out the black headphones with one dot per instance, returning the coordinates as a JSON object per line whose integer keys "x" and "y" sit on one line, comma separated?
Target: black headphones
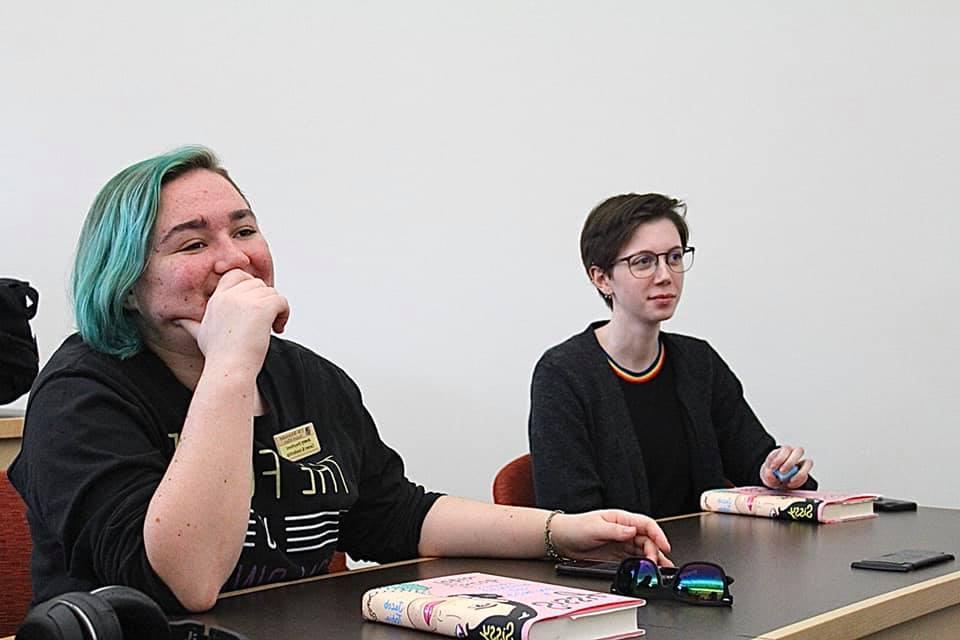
{"x": 111, "y": 613}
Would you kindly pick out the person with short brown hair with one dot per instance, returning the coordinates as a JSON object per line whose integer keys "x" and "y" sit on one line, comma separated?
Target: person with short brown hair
{"x": 627, "y": 416}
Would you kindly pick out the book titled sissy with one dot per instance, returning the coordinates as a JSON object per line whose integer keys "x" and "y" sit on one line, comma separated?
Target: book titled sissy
{"x": 488, "y": 607}
{"x": 802, "y": 506}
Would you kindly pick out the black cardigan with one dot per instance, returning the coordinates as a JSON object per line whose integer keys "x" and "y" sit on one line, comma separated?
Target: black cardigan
{"x": 583, "y": 445}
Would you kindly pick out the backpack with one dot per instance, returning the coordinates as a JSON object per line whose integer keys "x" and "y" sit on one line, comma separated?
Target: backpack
{"x": 19, "y": 361}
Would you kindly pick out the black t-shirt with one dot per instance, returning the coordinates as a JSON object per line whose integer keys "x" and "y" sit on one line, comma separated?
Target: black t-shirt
{"x": 657, "y": 417}
{"x": 100, "y": 432}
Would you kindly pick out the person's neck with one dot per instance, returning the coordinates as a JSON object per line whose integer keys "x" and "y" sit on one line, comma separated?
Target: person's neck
{"x": 631, "y": 345}
{"x": 187, "y": 368}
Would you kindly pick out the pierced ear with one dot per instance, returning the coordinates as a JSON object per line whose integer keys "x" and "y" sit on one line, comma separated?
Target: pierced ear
{"x": 600, "y": 280}
{"x": 130, "y": 302}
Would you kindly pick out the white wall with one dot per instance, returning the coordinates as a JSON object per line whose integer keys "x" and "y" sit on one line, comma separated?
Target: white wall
{"x": 422, "y": 170}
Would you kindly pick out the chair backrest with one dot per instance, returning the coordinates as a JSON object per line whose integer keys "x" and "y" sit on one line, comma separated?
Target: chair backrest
{"x": 513, "y": 484}
{"x": 15, "y": 548}
{"x": 338, "y": 562}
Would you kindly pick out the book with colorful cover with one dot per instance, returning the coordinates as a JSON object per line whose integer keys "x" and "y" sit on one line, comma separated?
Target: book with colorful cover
{"x": 803, "y": 506}
{"x": 479, "y": 605}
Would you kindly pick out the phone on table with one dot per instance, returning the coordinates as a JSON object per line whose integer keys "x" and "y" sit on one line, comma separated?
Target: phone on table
{"x": 890, "y": 504}
{"x": 588, "y": 568}
{"x": 905, "y": 560}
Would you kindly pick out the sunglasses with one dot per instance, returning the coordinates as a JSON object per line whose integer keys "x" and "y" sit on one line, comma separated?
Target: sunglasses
{"x": 703, "y": 583}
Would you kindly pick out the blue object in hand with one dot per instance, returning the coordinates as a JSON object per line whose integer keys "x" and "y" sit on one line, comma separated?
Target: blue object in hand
{"x": 783, "y": 477}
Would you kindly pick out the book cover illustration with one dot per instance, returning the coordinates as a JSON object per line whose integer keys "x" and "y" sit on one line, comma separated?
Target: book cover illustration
{"x": 801, "y": 506}
{"x": 478, "y": 605}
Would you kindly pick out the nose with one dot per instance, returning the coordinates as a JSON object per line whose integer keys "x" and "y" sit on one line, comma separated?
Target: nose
{"x": 663, "y": 273}
{"x": 230, "y": 256}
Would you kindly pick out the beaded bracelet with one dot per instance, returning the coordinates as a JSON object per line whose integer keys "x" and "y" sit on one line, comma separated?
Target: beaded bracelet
{"x": 548, "y": 545}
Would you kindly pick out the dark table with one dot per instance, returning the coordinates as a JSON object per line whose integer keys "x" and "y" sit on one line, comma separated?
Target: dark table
{"x": 793, "y": 580}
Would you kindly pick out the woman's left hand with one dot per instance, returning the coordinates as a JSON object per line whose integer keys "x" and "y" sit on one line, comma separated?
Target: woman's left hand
{"x": 784, "y": 459}
{"x": 609, "y": 534}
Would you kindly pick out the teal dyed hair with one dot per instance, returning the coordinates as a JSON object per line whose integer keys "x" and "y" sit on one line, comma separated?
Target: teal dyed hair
{"x": 114, "y": 244}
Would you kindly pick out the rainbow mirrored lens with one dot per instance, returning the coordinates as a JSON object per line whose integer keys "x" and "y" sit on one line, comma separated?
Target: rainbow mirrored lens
{"x": 701, "y": 582}
{"x": 636, "y": 575}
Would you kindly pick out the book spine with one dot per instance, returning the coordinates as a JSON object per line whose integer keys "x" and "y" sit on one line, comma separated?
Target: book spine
{"x": 383, "y": 605}
{"x": 766, "y": 506}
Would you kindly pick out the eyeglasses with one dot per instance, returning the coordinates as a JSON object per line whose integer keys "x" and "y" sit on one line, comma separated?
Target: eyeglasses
{"x": 703, "y": 583}
{"x": 643, "y": 264}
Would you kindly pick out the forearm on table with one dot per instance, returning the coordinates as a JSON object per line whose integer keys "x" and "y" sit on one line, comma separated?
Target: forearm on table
{"x": 461, "y": 527}
{"x": 197, "y": 519}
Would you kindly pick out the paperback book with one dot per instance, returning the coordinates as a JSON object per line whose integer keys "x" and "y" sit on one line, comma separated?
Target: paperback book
{"x": 802, "y": 506}
{"x": 479, "y": 605}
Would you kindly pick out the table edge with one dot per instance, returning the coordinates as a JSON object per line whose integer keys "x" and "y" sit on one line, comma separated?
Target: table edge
{"x": 11, "y": 427}
{"x": 877, "y": 613}
{"x": 325, "y": 576}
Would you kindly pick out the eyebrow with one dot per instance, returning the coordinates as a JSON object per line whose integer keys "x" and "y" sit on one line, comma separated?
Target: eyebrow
{"x": 201, "y": 223}
{"x": 636, "y": 253}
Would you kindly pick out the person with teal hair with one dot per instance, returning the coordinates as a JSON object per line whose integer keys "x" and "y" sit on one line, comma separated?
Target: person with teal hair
{"x": 142, "y": 429}
{"x": 111, "y": 253}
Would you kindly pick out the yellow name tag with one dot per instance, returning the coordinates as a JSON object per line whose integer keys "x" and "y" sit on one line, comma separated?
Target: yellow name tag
{"x": 297, "y": 443}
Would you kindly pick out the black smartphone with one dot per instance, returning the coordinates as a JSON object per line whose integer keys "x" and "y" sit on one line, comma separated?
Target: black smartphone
{"x": 905, "y": 560}
{"x": 588, "y": 568}
{"x": 890, "y": 504}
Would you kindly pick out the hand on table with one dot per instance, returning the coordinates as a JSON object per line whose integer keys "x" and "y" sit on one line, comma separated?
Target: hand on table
{"x": 609, "y": 534}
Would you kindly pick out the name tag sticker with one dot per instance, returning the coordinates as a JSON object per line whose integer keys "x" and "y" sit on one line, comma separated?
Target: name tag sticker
{"x": 297, "y": 443}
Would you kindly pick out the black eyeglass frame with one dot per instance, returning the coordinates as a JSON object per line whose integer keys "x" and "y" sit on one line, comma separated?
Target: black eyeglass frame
{"x": 666, "y": 588}
{"x": 657, "y": 256}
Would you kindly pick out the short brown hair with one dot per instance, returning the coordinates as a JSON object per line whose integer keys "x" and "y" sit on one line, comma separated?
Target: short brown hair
{"x": 612, "y": 222}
